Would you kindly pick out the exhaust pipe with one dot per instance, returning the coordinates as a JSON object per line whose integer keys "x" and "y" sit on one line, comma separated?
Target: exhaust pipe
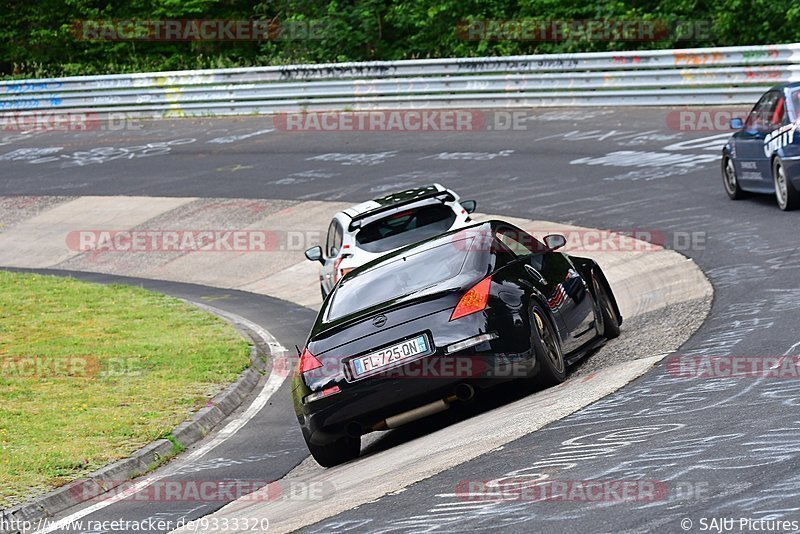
{"x": 354, "y": 429}
{"x": 463, "y": 392}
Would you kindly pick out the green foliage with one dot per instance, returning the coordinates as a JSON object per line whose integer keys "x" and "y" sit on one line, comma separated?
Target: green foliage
{"x": 39, "y": 38}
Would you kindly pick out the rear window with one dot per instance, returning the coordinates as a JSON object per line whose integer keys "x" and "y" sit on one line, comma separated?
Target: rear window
{"x": 402, "y": 276}
{"x": 405, "y": 228}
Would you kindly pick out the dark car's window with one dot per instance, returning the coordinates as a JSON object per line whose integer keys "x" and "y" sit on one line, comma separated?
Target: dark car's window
{"x": 404, "y": 228}
{"x": 777, "y": 114}
{"x": 519, "y": 242}
{"x": 755, "y": 118}
{"x": 768, "y": 114}
{"x": 400, "y": 276}
{"x": 502, "y": 253}
{"x": 522, "y": 244}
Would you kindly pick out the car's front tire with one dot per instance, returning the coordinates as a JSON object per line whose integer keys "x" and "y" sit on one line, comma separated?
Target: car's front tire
{"x": 338, "y": 452}
{"x": 546, "y": 346}
{"x": 787, "y": 196}
{"x": 730, "y": 180}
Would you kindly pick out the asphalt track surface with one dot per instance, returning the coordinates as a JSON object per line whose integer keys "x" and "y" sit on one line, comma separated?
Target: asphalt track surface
{"x": 722, "y": 448}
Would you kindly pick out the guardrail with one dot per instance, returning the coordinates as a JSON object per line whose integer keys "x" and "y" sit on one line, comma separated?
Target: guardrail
{"x": 699, "y": 76}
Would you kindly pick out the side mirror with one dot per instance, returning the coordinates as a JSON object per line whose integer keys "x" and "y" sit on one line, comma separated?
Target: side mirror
{"x": 737, "y": 124}
{"x": 469, "y": 205}
{"x": 555, "y": 241}
{"x": 315, "y": 254}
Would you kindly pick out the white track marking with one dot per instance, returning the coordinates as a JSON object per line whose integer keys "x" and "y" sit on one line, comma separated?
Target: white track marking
{"x": 273, "y": 384}
{"x": 234, "y": 138}
{"x": 791, "y": 349}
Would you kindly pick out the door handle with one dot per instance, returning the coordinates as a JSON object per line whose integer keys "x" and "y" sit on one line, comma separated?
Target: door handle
{"x": 536, "y": 274}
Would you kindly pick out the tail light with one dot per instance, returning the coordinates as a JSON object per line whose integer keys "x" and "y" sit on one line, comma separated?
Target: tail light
{"x": 474, "y": 300}
{"x": 308, "y": 362}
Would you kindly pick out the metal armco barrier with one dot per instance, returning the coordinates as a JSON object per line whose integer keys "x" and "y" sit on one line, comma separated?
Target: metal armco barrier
{"x": 699, "y": 76}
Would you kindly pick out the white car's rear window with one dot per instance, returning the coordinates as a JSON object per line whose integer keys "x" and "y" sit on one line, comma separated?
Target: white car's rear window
{"x": 406, "y": 227}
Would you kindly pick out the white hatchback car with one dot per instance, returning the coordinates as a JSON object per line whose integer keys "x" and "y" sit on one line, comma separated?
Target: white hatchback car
{"x": 369, "y": 230}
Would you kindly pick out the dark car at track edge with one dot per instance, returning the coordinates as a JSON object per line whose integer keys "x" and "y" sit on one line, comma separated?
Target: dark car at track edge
{"x": 763, "y": 156}
{"x": 431, "y": 324}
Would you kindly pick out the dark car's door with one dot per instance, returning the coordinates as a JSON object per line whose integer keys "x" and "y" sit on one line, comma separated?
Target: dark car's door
{"x": 752, "y": 163}
{"x": 552, "y": 273}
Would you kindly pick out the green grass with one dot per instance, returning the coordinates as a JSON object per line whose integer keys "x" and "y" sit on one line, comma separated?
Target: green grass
{"x": 89, "y": 373}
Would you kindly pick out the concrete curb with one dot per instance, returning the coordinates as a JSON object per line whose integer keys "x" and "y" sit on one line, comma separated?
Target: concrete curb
{"x": 141, "y": 461}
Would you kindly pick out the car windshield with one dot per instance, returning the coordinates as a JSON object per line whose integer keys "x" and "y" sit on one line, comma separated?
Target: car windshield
{"x": 401, "y": 276}
{"x": 406, "y": 227}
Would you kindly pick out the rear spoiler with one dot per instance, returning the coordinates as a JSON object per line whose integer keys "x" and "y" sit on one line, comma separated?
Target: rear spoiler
{"x": 442, "y": 196}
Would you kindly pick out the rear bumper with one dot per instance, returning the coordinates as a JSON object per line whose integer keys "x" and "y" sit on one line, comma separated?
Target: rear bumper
{"x": 328, "y": 419}
{"x": 436, "y": 376}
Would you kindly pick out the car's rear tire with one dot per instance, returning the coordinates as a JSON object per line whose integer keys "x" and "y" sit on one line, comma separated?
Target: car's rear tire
{"x": 609, "y": 323}
{"x": 787, "y": 196}
{"x": 338, "y": 452}
{"x": 546, "y": 346}
{"x": 729, "y": 179}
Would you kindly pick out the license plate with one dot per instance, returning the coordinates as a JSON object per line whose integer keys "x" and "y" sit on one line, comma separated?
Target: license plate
{"x": 388, "y": 356}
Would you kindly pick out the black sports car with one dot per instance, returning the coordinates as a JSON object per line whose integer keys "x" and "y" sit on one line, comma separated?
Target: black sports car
{"x": 408, "y": 334}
